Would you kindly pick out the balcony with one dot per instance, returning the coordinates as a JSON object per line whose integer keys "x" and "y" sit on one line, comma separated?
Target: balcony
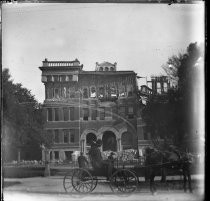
{"x": 47, "y": 63}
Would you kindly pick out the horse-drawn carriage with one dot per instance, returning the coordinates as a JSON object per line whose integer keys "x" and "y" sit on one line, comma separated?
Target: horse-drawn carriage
{"x": 124, "y": 179}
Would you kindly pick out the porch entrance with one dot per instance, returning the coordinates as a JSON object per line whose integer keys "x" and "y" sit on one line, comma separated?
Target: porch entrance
{"x": 109, "y": 141}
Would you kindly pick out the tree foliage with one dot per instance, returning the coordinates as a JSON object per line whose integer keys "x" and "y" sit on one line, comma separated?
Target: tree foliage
{"x": 173, "y": 118}
{"x": 22, "y": 121}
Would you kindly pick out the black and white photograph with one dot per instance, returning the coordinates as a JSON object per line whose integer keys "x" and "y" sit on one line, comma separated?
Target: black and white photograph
{"x": 103, "y": 101}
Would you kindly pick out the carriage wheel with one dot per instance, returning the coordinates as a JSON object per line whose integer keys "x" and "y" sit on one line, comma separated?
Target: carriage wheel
{"x": 82, "y": 181}
{"x": 95, "y": 182}
{"x": 124, "y": 181}
{"x": 67, "y": 182}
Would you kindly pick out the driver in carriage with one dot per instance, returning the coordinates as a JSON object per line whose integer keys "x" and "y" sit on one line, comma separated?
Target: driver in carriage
{"x": 97, "y": 160}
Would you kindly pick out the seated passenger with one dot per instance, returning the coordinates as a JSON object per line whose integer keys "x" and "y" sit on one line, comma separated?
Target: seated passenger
{"x": 82, "y": 161}
{"x": 97, "y": 160}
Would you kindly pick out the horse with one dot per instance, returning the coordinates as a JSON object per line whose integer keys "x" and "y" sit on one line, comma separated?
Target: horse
{"x": 157, "y": 159}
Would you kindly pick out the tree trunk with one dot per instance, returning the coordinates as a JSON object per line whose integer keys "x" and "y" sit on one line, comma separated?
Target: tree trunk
{"x": 163, "y": 175}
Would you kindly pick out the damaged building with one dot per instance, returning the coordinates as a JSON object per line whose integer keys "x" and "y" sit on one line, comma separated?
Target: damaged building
{"x": 81, "y": 106}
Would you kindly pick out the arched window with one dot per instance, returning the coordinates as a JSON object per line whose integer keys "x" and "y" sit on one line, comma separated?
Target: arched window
{"x": 113, "y": 91}
{"x": 130, "y": 90}
{"x": 111, "y": 69}
{"x": 122, "y": 91}
{"x": 106, "y": 69}
{"x": 89, "y": 138}
{"x": 85, "y": 93}
{"x": 126, "y": 140}
{"x": 101, "y": 69}
{"x": 93, "y": 92}
{"x": 101, "y": 92}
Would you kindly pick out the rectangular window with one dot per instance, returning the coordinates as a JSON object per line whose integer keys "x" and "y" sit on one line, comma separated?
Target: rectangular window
{"x": 56, "y": 78}
{"x": 165, "y": 87}
{"x": 102, "y": 113}
{"x": 72, "y": 138}
{"x": 56, "y": 114}
{"x": 63, "y": 92}
{"x": 49, "y": 93}
{"x": 122, "y": 111}
{"x": 69, "y": 78}
{"x": 56, "y": 136}
{"x": 108, "y": 112}
{"x": 49, "y": 78}
{"x": 93, "y": 114}
{"x": 62, "y": 78}
{"x": 49, "y": 114}
{"x": 66, "y": 136}
{"x": 130, "y": 112}
{"x": 85, "y": 114}
{"x": 66, "y": 114}
{"x": 56, "y": 93}
{"x": 56, "y": 155}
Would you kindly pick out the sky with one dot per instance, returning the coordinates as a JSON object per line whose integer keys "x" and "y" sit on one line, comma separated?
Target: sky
{"x": 139, "y": 37}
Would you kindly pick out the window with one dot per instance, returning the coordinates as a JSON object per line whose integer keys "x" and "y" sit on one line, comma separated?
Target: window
{"x": 56, "y": 78}
{"x": 101, "y": 92}
{"x": 63, "y": 92}
{"x": 85, "y": 114}
{"x": 130, "y": 112}
{"x": 113, "y": 92}
{"x": 102, "y": 113}
{"x": 106, "y": 69}
{"x": 93, "y": 114}
{"x": 56, "y": 114}
{"x": 49, "y": 78}
{"x": 165, "y": 87}
{"x": 56, "y": 93}
{"x": 56, "y": 155}
{"x": 72, "y": 138}
{"x": 49, "y": 93}
{"x": 62, "y": 78}
{"x": 93, "y": 92}
{"x": 130, "y": 90}
{"x": 66, "y": 136}
{"x": 69, "y": 78}
{"x": 145, "y": 136}
{"x": 49, "y": 114}
{"x": 85, "y": 93}
{"x": 72, "y": 92}
{"x": 66, "y": 114}
{"x": 101, "y": 69}
{"x": 108, "y": 112}
{"x": 122, "y": 111}
{"x": 56, "y": 136}
{"x": 111, "y": 69}
{"x": 122, "y": 91}
{"x": 159, "y": 91}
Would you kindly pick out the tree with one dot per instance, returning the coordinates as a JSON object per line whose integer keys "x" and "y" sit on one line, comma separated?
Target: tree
{"x": 176, "y": 114}
{"x": 22, "y": 121}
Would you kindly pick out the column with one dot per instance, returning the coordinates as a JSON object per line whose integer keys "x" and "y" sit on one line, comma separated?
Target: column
{"x": 43, "y": 155}
{"x": 119, "y": 146}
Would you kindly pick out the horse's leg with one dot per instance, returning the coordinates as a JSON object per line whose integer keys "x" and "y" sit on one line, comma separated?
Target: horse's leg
{"x": 189, "y": 180}
{"x": 152, "y": 183}
{"x": 163, "y": 174}
{"x": 185, "y": 180}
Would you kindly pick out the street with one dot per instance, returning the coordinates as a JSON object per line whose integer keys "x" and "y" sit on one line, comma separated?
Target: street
{"x": 51, "y": 188}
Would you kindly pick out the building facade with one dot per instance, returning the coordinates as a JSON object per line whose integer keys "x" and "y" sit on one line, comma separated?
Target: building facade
{"x": 81, "y": 106}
